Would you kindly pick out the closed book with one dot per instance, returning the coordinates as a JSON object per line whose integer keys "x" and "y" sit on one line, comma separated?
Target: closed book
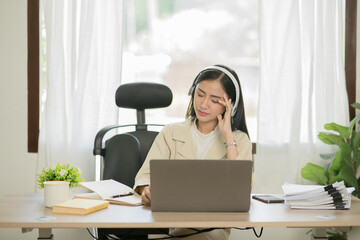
{"x": 80, "y": 206}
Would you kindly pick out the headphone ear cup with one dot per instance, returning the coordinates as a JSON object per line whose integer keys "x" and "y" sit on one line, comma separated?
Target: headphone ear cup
{"x": 191, "y": 90}
{"x": 193, "y": 85}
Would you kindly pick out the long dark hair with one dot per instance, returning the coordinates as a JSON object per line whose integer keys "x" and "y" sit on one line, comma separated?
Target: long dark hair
{"x": 238, "y": 121}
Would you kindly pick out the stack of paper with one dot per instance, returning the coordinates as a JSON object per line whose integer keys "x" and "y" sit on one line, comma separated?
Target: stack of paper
{"x": 332, "y": 196}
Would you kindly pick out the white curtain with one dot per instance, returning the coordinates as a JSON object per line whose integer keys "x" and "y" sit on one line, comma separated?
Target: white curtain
{"x": 302, "y": 86}
{"x": 83, "y": 57}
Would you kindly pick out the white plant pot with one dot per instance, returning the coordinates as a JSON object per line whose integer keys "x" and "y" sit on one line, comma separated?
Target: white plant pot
{"x": 55, "y": 192}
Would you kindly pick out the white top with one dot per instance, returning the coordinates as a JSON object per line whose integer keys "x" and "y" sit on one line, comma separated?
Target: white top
{"x": 203, "y": 142}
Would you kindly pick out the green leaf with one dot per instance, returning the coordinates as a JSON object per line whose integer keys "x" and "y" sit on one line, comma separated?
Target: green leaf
{"x": 352, "y": 124}
{"x": 346, "y": 153}
{"x": 356, "y": 149}
{"x": 336, "y": 178}
{"x": 356, "y": 142}
{"x": 314, "y": 173}
{"x": 329, "y": 138}
{"x": 356, "y": 158}
{"x": 335, "y": 165}
{"x": 347, "y": 175}
{"x": 343, "y": 131}
{"x": 356, "y": 105}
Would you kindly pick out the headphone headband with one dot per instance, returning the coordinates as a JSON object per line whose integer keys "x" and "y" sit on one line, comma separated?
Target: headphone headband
{"x": 233, "y": 79}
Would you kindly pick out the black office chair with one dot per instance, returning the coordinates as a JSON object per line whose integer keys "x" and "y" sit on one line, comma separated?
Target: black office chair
{"x": 123, "y": 154}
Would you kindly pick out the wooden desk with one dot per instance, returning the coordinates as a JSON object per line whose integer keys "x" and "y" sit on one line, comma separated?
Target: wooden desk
{"x": 28, "y": 212}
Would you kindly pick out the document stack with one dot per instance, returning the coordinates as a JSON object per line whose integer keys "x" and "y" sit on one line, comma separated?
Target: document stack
{"x": 332, "y": 196}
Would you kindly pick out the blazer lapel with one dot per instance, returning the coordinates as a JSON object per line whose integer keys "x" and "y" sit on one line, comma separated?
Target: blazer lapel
{"x": 188, "y": 149}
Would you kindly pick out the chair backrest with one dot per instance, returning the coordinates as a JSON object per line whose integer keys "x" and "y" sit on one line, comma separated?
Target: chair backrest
{"x": 124, "y": 153}
{"x": 121, "y": 158}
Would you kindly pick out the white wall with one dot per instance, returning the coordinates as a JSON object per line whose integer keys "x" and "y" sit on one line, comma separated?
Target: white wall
{"x": 17, "y": 171}
{"x": 17, "y": 166}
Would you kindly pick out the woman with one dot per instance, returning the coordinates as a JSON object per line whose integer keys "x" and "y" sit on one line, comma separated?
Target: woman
{"x": 215, "y": 128}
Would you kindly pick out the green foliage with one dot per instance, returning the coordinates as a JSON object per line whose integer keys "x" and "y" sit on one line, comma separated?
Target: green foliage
{"x": 343, "y": 164}
{"x": 314, "y": 173}
{"x": 335, "y": 234}
{"x": 60, "y": 172}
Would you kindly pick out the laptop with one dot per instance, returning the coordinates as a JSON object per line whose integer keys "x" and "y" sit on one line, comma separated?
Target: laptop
{"x": 200, "y": 185}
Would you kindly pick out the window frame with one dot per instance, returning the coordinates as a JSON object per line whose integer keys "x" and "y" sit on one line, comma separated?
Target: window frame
{"x": 350, "y": 52}
{"x": 33, "y": 66}
{"x": 33, "y": 77}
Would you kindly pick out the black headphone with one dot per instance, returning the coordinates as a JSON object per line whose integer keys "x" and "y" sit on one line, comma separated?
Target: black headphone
{"x": 229, "y": 74}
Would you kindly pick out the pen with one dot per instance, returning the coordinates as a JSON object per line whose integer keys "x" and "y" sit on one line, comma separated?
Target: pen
{"x": 122, "y": 195}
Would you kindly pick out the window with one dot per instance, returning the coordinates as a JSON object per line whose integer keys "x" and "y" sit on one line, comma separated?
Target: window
{"x": 170, "y": 41}
{"x": 184, "y": 36}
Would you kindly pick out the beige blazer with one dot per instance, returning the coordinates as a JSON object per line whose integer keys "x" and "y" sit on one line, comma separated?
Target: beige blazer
{"x": 175, "y": 142}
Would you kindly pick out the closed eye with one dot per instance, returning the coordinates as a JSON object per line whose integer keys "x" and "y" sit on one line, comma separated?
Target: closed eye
{"x": 201, "y": 93}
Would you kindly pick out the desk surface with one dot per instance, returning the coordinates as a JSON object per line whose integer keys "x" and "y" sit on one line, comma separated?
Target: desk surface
{"x": 27, "y": 211}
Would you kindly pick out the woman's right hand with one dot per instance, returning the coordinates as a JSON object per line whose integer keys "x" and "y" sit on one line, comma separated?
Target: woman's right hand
{"x": 146, "y": 195}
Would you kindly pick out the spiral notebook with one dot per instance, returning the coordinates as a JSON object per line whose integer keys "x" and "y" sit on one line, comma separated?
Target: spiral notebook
{"x": 200, "y": 185}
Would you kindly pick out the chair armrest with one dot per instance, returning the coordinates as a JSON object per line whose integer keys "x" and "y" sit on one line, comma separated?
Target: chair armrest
{"x": 98, "y": 150}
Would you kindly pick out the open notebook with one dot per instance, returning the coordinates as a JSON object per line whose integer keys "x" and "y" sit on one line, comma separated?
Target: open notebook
{"x": 111, "y": 191}
{"x": 200, "y": 185}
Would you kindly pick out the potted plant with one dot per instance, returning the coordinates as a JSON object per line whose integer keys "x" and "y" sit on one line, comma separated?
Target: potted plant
{"x": 56, "y": 180}
{"x": 343, "y": 165}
